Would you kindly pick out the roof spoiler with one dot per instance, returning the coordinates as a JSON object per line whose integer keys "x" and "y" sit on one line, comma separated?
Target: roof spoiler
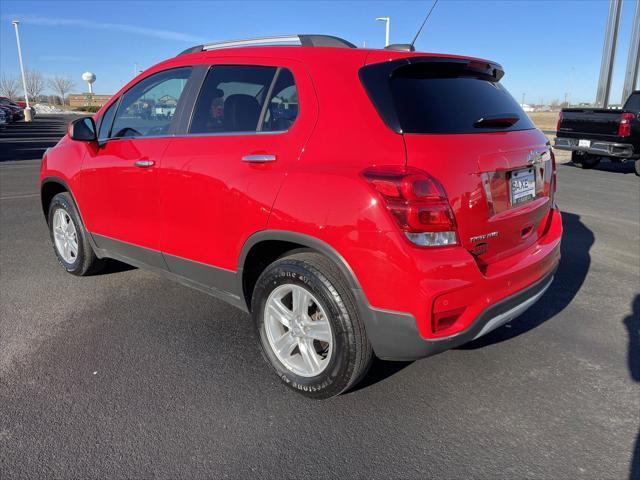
{"x": 376, "y": 78}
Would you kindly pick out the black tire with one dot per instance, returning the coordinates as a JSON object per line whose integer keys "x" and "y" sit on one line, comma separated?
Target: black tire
{"x": 637, "y": 166}
{"x": 85, "y": 262}
{"x": 352, "y": 353}
{"x": 585, "y": 160}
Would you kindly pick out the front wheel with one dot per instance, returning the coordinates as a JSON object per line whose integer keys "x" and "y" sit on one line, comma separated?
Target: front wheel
{"x": 308, "y": 325}
{"x": 69, "y": 238}
{"x": 637, "y": 166}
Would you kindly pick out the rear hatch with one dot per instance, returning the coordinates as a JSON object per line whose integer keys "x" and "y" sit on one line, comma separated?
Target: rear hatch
{"x": 463, "y": 128}
{"x": 598, "y": 123}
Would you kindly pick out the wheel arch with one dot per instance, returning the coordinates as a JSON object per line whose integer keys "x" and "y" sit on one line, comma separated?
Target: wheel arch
{"x": 49, "y": 188}
{"x": 266, "y": 246}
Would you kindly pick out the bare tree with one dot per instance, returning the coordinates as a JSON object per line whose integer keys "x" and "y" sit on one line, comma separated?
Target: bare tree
{"x": 35, "y": 84}
{"x": 9, "y": 86}
{"x": 61, "y": 85}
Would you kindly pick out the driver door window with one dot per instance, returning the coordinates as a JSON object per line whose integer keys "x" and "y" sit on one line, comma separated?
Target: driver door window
{"x": 148, "y": 108}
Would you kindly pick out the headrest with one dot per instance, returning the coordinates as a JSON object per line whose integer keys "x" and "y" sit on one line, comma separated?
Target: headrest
{"x": 241, "y": 113}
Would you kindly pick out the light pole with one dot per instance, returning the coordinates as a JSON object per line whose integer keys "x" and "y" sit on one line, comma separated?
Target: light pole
{"x": 386, "y": 20}
{"x": 27, "y": 112}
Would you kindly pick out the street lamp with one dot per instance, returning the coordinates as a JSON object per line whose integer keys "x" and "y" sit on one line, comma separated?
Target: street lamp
{"x": 27, "y": 113}
{"x": 387, "y": 20}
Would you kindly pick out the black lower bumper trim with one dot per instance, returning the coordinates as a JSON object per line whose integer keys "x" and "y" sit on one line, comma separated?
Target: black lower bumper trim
{"x": 395, "y": 335}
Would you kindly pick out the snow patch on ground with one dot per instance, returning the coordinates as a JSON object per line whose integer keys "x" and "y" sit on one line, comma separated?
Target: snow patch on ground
{"x": 44, "y": 109}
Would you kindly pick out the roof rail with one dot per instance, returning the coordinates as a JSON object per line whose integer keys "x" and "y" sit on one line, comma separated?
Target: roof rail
{"x": 303, "y": 40}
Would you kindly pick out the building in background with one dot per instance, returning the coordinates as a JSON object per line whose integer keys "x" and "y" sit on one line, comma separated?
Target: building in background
{"x": 86, "y": 100}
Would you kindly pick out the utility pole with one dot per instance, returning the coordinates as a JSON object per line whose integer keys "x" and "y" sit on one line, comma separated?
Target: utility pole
{"x": 27, "y": 113}
{"x": 570, "y": 89}
{"x": 608, "y": 53}
{"x": 387, "y": 21}
{"x": 631, "y": 74}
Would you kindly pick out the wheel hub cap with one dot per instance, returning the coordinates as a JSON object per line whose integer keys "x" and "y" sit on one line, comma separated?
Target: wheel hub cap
{"x": 298, "y": 330}
{"x": 65, "y": 236}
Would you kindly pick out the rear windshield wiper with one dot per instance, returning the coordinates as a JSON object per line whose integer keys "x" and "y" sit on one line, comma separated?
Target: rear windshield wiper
{"x": 501, "y": 120}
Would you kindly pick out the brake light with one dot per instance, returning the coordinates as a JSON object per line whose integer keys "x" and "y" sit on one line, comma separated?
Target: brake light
{"x": 559, "y": 121}
{"x": 417, "y": 202}
{"x": 624, "y": 129}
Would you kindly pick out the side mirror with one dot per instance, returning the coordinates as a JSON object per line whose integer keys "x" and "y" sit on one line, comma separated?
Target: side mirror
{"x": 83, "y": 130}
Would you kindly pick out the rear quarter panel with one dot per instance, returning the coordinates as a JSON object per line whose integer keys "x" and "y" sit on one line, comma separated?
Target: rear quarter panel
{"x": 324, "y": 194}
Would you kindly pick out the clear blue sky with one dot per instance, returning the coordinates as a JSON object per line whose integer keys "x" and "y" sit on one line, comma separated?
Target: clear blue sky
{"x": 548, "y": 48}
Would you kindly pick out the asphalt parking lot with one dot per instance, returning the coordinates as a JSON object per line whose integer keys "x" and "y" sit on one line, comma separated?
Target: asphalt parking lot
{"x": 126, "y": 374}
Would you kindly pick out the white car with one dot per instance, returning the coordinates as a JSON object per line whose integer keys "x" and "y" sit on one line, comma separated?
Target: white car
{"x": 3, "y": 119}
{"x": 165, "y": 111}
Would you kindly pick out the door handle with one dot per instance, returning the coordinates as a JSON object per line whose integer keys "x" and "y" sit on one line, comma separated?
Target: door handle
{"x": 144, "y": 163}
{"x": 259, "y": 158}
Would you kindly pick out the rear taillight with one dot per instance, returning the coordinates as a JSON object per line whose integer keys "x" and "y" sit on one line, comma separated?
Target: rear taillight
{"x": 624, "y": 129}
{"x": 417, "y": 202}
{"x": 559, "y": 121}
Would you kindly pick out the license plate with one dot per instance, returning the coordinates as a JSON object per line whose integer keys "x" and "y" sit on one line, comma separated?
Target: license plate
{"x": 584, "y": 143}
{"x": 523, "y": 186}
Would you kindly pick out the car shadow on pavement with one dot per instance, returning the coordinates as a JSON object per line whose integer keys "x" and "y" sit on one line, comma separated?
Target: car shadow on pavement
{"x": 632, "y": 322}
{"x": 612, "y": 167}
{"x": 379, "y": 371}
{"x": 577, "y": 240}
{"x": 115, "y": 266}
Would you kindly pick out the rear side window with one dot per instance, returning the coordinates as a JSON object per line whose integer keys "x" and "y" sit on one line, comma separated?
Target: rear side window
{"x": 231, "y": 99}
{"x": 283, "y": 105}
{"x": 432, "y": 99}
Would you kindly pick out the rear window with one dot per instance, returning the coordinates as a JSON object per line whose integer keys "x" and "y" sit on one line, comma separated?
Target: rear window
{"x": 633, "y": 102}
{"x": 430, "y": 99}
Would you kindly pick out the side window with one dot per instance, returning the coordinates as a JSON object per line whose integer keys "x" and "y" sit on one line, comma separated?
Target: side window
{"x": 106, "y": 120}
{"x": 283, "y": 105}
{"x": 148, "y": 107}
{"x": 231, "y": 99}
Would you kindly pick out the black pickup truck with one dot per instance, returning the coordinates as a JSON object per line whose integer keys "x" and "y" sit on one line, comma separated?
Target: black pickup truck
{"x": 594, "y": 133}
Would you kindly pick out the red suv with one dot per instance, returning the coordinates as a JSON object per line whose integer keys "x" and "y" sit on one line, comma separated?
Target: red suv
{"x": 354, "y": 201}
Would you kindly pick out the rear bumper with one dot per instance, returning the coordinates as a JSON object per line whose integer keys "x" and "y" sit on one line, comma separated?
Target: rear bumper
{"x": 487, "y": 300}
{"x": 598, "y": 147}
{"x": 402, "y": 341}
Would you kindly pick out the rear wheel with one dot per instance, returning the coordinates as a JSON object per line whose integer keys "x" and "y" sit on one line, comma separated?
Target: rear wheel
{"x": 585, "y": 160}
{"x": 69, "y": 238}
{"x": 637, "y": 165}
{"x": 309, "y": 328}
